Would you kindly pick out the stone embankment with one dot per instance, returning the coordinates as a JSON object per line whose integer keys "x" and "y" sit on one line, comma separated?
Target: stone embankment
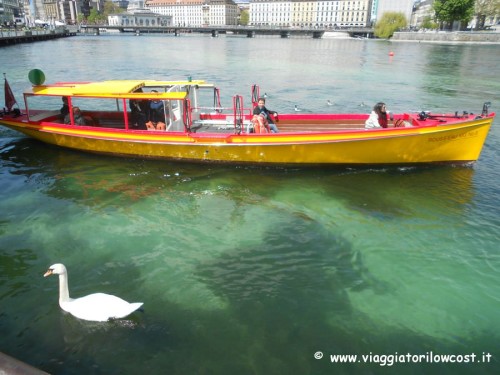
{"x": 15, "y": 36}
{"x": 486, "y": 37}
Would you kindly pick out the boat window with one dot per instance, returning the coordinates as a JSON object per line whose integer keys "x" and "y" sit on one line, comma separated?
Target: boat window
{"x": 202, "y": 97}
{"x": 103, "y": 112}
{"x": 46, "y": 102}
{"x": 98, "y": 104}
{"x": 207, "y": 101}
{"x": 176, "y": 88}
{"x": 43, "y": 108}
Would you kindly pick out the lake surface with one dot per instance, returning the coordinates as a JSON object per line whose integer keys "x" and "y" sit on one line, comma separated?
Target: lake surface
{"x": 256, "y": 270}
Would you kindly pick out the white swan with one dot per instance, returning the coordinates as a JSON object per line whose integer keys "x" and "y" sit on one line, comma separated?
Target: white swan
{"x": 98, "y": 307}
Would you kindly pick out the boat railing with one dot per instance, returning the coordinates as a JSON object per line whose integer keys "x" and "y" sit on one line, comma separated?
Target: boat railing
{"x": 222, "y": 119}
{"x": 213, "y": 109}
{"x": 220, "y": 124}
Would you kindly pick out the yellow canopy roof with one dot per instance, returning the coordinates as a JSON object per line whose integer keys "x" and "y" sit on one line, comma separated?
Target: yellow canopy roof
{"x": 113, "y": 89}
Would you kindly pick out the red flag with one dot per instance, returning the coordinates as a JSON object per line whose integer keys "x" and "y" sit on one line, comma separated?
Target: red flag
{"x": 9, "y": 97}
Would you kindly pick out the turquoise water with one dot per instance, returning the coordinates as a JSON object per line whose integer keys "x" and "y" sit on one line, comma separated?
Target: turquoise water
{"x": 254, "y": 270}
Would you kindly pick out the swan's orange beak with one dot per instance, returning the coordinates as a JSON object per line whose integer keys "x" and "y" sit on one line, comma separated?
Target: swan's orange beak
{"x": 48, "y": 273}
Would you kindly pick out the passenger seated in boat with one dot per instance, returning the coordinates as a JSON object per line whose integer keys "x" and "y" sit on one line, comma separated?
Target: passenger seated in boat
{"x": 156, "y": 118}
{"x": 378, "y": 117}
{"x": 65, "y": 108}
{"x": 138, "y": 118}
{"x": 261, "y": 109}
{"x": 78, "y": 117}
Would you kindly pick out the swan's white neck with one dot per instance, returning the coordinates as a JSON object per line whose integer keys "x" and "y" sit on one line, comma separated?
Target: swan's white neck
{"x": 63, "y": 288}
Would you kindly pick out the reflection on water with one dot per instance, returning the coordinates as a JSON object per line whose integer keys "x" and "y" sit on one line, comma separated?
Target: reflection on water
{"x": 444, "y": 69}
{"x": 252, "y": 270}
{"x": 285, "y": 266}
{"x": 452, "y": 71}
{"x": 100, "y": 180}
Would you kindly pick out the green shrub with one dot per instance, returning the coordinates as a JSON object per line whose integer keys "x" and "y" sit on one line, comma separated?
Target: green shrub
{"x": 389, "y": 24}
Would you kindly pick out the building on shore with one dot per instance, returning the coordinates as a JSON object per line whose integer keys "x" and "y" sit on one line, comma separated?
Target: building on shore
{"x": 139, "y": 17}
{"x": 422, "y": 11}
{"x": 38, "y": 12}
{"x": 318, "y": 13}
{"x": 10, "y": 11}
{"x": 197, "y": 12}
{"x": 133, "y": 5}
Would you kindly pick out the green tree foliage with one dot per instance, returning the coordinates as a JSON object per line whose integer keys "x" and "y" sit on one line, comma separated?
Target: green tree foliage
{"x": 428, "y": 23}
{"x": 111, "y": 8}
{"x": 448, "y": 11}
{"x": 244, "y": 17}
{"x": 390, "y": 23}
{"x": 96, "y": 18}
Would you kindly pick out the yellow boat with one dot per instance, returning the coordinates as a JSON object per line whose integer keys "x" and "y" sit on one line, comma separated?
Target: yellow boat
{"x": 191, "y": 131}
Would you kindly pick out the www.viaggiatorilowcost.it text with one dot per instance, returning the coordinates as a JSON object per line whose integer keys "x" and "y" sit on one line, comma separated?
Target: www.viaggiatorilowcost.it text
{"x": 391, "y": 359}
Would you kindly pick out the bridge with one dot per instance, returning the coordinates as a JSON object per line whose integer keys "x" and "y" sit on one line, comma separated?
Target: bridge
{"x": 249, "y": 31}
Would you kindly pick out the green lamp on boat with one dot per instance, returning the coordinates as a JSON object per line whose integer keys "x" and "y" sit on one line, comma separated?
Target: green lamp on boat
{"x": 36, "y": 77}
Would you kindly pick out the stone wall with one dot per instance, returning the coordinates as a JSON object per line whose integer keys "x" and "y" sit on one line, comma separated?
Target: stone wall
{"x": 448, "y": 37}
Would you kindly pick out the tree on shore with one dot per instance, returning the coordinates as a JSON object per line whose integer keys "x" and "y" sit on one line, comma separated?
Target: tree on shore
{"x": 484, "y": 9}
{"x": 112, "y": 8}
{"x": 389, "y": 24}
{"x": 449, "y": 11}
{"x": 428, "y": 23}
{"x": 244, "y": 17}
{"x": 96, "y": 18}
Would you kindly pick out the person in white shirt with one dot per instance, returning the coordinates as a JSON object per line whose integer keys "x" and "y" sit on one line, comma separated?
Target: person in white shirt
{"x": 378, "y": 118}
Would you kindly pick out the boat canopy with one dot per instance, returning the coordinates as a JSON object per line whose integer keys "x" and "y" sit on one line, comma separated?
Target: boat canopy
{"x": 114, "y": 89}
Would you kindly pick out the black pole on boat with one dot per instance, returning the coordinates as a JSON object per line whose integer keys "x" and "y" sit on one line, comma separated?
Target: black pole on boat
{"x": 255, "y": 95}
{"x": 486, "y": 105}
{"x": 217, "y": 103}
{"x": 238, "y": 113}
